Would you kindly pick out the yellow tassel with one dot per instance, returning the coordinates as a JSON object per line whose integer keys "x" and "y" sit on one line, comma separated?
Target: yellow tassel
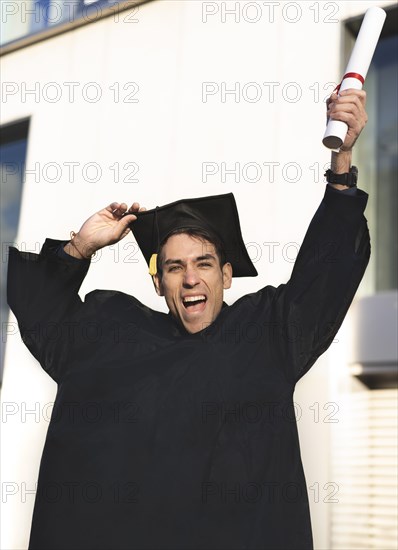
{"x": 152, "y": 264}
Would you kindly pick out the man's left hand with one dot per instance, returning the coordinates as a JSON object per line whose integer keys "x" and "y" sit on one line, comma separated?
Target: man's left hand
{"x": 349, "y": 107}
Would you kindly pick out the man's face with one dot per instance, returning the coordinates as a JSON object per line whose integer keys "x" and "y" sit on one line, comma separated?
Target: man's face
{"x": 193, "y": 281}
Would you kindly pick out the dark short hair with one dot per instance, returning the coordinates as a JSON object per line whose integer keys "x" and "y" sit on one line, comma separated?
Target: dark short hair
{"x": 199, "y": 233}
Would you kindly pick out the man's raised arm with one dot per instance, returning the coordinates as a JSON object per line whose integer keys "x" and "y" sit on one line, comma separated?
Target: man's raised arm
{"x": 42, "y": 289}
{"x": 332, "y": 258}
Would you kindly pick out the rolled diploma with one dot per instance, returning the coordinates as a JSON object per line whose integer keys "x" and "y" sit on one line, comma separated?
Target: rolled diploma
{"x": 359, "y": 62}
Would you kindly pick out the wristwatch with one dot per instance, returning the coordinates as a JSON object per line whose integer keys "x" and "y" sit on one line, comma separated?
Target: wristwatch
{"x": 349, "y": 178}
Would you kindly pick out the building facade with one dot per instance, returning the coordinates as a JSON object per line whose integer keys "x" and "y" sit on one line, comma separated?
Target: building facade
{"x": 154, "y": 101}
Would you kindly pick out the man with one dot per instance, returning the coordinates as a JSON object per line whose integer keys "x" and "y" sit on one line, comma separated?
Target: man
{"x": 175, "y": 431}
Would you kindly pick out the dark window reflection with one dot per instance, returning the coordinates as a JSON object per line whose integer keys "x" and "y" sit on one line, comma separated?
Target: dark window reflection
{"x": 386, "y": 252}
{"x": 13, "y": 145}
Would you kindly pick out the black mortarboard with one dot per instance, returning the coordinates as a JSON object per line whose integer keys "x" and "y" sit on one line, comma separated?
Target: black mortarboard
{"x": 216, "y": 214}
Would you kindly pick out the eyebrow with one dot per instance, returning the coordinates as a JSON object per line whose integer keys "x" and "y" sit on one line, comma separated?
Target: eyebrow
{"x": 198, "y": 259}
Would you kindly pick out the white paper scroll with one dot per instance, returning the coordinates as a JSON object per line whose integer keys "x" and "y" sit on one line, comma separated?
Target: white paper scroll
{"x": 357, "y": 69}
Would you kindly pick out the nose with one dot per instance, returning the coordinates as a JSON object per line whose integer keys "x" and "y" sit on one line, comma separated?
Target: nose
{"x": 191, "y": 277}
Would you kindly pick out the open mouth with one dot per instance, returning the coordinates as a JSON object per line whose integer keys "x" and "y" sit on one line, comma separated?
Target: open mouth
{"x": 194, "y": 303}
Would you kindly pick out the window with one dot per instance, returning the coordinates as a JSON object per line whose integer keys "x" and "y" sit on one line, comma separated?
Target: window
{"x": 13, "y": 145}
{"x": 377, "y": 157}
{"x": 32, "y": 17}
{"x": 364, "y": 463}
{"x": 364, "y": 451}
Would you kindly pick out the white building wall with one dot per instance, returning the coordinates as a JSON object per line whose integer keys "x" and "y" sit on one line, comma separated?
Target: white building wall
{"x": 169, "y": 133}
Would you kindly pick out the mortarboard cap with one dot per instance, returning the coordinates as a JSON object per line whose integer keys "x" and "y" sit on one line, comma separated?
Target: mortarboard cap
{"x": 216, "y": 214}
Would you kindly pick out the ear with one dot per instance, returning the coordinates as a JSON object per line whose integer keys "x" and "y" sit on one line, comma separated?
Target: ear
{"x": 227, "y": 275}
{"x": 157, "y": 283}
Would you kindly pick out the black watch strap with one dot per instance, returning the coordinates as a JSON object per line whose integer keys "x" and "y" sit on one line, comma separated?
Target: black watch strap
{"x": 349, "y": 178}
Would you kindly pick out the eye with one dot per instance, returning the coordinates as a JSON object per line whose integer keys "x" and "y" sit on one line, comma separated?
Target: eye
{"x": 205, "y": 264}
{"x": 174, "y": 268}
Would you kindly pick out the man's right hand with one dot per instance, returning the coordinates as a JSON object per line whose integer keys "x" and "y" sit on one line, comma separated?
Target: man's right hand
{"x": 108, "y": 226}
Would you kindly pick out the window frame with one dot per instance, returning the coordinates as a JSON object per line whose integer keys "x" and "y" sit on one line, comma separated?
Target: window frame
{"x": 67, "y": 26}
{"x": 369, "y": 285}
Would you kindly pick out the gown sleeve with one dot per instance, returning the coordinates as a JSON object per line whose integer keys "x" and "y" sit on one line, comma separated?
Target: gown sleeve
{"x": 42, "y": 292}
{"x": 329, "y": 267}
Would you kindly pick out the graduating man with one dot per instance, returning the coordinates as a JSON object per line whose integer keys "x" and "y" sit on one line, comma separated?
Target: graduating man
{"x": 143, "y": 451}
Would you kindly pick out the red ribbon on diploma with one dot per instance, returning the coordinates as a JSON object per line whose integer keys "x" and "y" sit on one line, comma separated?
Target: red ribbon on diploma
{"x": 349, "y": 75}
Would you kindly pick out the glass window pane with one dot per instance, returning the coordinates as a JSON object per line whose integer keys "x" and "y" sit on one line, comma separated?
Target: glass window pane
{"x": 386, "y": 68}
{"x": 28, "y": 17}
{"x": 13, "y": 147}
{"x": 377, "y": 156}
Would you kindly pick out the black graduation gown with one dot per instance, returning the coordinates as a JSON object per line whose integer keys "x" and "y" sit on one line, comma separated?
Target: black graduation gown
{"x": 164, "y": 440}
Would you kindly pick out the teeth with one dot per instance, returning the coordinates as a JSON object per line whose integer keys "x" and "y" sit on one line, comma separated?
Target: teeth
{"x": 194, "y": 298}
